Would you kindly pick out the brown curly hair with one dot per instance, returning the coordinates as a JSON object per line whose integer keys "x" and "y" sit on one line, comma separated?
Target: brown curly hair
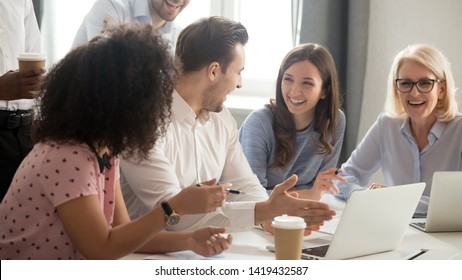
{"x": 114, "y": 91}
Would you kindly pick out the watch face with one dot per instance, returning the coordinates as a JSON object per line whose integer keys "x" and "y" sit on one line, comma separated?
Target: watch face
{"x": 173, "y": 219}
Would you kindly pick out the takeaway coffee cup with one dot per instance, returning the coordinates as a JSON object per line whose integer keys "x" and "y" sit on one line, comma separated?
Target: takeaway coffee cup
{"x": 29, "y": 61}
{"x": 288, "y": 237}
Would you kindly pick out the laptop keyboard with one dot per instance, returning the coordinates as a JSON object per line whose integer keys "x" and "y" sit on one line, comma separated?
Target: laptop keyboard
{"x": 319, "y": 251}
{"x": 420, "y": 224}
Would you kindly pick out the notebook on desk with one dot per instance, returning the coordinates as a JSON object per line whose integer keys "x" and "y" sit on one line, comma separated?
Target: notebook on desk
{"x": 445, "y": 204}
{"x": 373, "y": 221}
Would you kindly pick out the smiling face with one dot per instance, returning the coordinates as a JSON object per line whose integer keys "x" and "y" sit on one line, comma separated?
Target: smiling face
{"x": 168, "y": 9}
{"x": 224, "y": 83}
{"x": 301, "y": 88}
{"x": 419, "y": 106}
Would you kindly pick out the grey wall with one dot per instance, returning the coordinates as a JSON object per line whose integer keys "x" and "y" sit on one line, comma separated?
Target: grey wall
{"x": 342, "y": 27}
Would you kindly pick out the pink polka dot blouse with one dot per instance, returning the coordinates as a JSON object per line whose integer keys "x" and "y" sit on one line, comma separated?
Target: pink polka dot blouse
{"x": 49, "y": 176}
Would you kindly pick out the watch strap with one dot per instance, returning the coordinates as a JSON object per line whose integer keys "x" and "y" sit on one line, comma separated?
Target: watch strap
{"x": 167, "y": 209}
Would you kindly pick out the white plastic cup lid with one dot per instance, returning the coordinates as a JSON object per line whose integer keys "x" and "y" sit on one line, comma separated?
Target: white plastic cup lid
{"x": 31, "y": 56}
{"x": 288, "y": 222}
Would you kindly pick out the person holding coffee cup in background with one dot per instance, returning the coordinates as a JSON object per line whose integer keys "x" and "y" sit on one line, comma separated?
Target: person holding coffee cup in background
{"x": 17, "y": 88}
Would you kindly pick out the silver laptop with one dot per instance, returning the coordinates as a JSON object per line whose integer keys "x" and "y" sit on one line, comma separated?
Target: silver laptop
{"x": 445, "y": 204}
{"x": 373, "y": 221}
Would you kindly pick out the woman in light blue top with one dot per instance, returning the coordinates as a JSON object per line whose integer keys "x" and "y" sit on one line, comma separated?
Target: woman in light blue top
{"x": 301, "y": 131}
{"x": 420, "y": 131}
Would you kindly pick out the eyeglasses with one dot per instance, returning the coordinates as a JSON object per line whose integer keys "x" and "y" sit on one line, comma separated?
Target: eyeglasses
{"x": 423, "y": 86}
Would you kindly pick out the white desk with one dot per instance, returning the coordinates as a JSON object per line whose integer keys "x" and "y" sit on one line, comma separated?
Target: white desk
{"x": 252, "y": 244}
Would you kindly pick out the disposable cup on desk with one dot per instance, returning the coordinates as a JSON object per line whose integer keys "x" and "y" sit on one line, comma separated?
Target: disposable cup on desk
{"x": 288, "y": 237}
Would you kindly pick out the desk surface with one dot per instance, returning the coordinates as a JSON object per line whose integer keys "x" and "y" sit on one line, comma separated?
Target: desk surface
{"x": 252, "y": 244}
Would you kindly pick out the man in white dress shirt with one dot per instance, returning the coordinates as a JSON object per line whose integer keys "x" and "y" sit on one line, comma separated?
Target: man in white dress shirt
{"x": 19, "y": 32}
{"x": 201, "y": 143}
{"x": 159, "y": 13}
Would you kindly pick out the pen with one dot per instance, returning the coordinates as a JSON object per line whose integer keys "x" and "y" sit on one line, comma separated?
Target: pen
{"x": 234, "y": 191}
{"x": 418, "y": 254}
{"x": 200, "y": 184}
{"x": 336, "y": 171}
{"x": 226, "y": 190}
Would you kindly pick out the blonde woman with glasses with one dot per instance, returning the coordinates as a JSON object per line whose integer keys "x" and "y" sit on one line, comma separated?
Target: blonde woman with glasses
{"x": 419, "y": 132}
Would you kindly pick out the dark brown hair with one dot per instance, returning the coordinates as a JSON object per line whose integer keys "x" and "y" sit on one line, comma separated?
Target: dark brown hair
{"x": 208, "y": 40}
{"x": 114, "y": 91}
{"x": 326, "y": 112}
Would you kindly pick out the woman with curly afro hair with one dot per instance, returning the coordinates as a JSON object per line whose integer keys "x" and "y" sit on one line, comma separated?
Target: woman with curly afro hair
{"x": 107, "y": 98}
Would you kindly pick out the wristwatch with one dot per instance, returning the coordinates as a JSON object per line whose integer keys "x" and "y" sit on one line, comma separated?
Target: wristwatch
{"x": 171, "y": 218}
